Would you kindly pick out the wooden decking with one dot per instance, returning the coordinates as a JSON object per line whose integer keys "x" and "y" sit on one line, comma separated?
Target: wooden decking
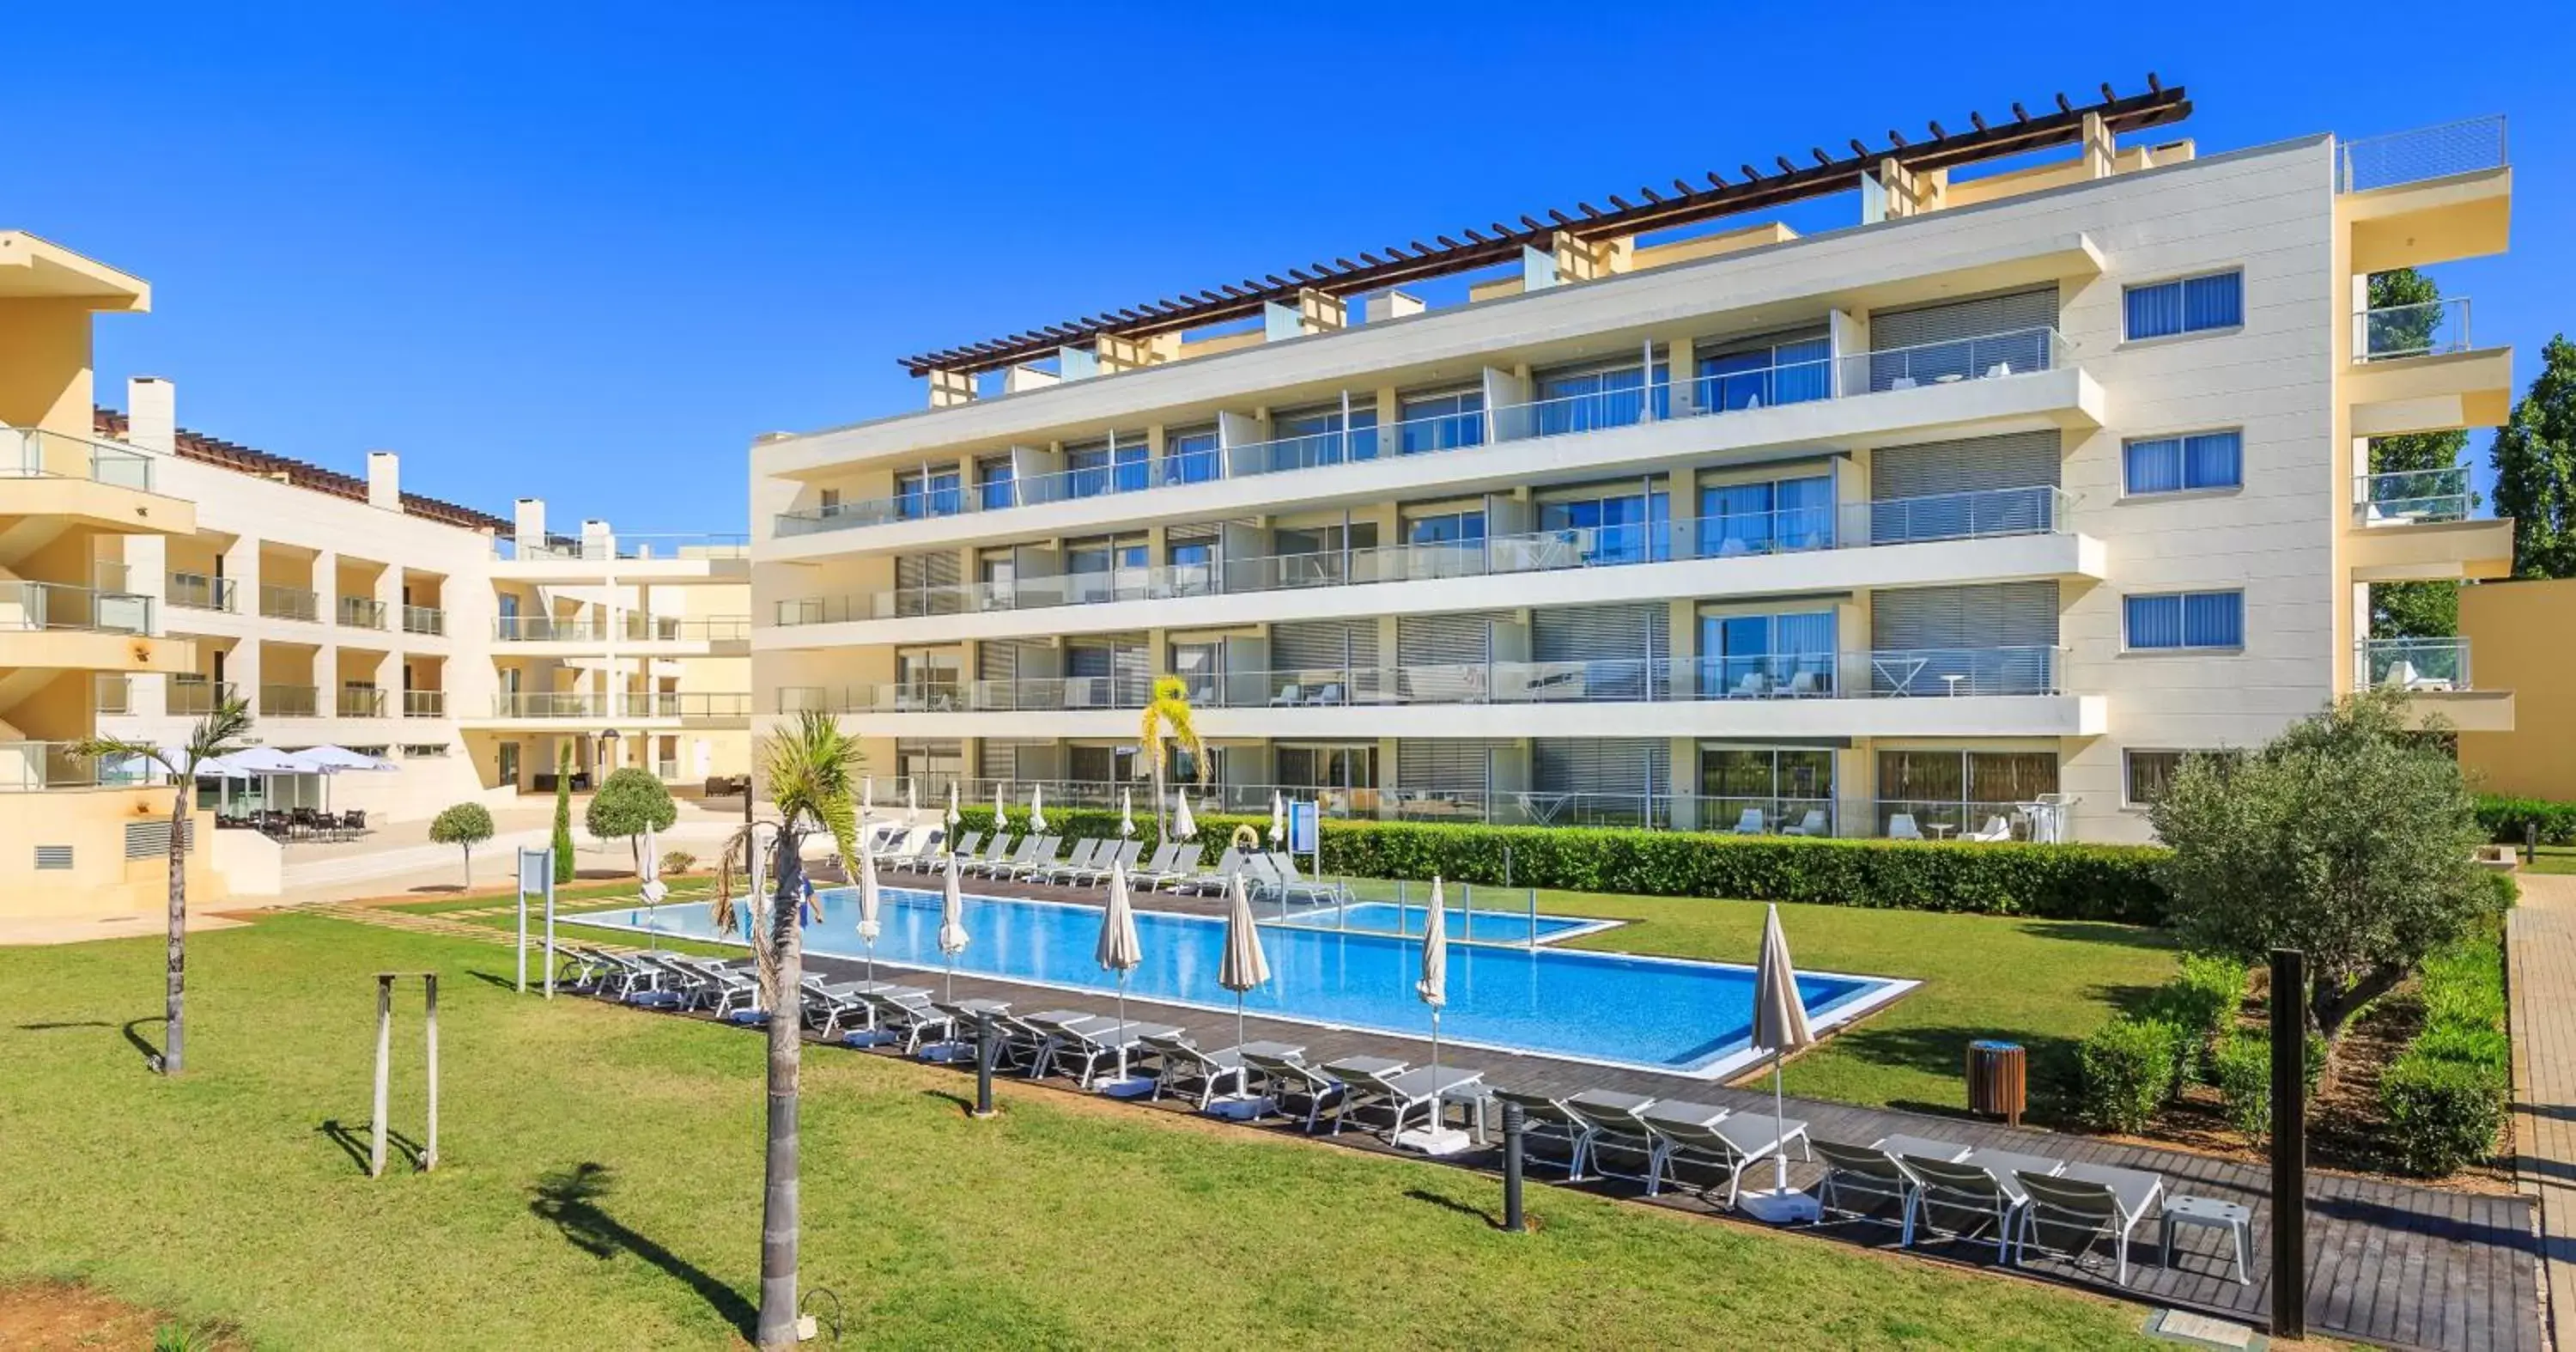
{"x": 2390, "y": 1263}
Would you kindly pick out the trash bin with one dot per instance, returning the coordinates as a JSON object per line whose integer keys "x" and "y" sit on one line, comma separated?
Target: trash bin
{"x": 1998, "y": 1080}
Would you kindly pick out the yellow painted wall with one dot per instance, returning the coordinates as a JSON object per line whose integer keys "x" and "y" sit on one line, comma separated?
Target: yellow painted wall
{"x": 2522, "y": 637}
{"x": 103, "y": 883}
{"x": 44, "y": 364}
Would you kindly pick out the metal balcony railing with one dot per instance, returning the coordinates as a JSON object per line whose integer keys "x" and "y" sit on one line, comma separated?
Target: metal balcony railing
{"x": 288, "y": 603}
{"x": 2412, "y": 496}
{"x": 2428, "y": 329}
{"x": 646, "y": 545}
{"x": 636, "y": 704}
{"x": 1991, "y": 513}
{"x": 2413, "y": 663}
{"x": 547, "y": 629}
{"x": 1985, "y": 357}
{"x": 288, "y": 701}
{"x": 362, "y": 612}
{"x": 33, "y": 452}
{"x": 424, "y": 620}
{"x": 54, "y": 606}
{"x": 196, "y": 591}
{"x": 2462, "y": 147}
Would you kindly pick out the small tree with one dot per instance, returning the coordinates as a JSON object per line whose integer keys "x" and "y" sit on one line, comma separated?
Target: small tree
{"x": 562, "y": 842}
{"x": 466, "y": 824}
{"x": 2347, "y": 836}
{"x": 1167, "y": 719}
{"x": 2535, "y": 468}
{"x": 628, "y": 804}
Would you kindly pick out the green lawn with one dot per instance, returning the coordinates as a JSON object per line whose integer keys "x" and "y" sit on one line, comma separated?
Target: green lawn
{"x": 601, "y": 1181}
{"x": 2554, "y": 859}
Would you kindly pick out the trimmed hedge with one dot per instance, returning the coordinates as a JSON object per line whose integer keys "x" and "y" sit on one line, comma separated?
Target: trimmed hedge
{"x": 2201, "y": 1003}
{"x": 2444, "y": 1097}
{"x": 2057, "y": 882}
{"x": 2504, "y": 819}
{"x": 2242, "y": 1068}
{"x": 2128, "y": 1073}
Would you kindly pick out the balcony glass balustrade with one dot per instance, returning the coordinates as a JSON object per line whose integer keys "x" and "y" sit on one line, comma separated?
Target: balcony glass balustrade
{"x": 31, "y": 767}
{"x": 1984, "y": 357}
{"x": 33, "y": 453}
{"x": 632, "y": 704}
{"x": 2412, "y": 496}
{"x": 288, "y": 603}
{"x": 53, "y": 606}
{"x": 1893, "y": 673}
{"x": 196, "y": 591}
{"x": 2430, "y": 329}
{"x": 1992, "y": 513}
{"x": 2462, "y": 147}
{"x": 2413, "y": 663}
{"x": 424, "y": 620}
{"x": 608, "y": 548}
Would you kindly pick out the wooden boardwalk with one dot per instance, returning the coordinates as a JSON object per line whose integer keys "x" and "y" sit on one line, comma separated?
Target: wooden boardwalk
{"x": 2541, "y": 938}
{"x": 2389, "y": 1263}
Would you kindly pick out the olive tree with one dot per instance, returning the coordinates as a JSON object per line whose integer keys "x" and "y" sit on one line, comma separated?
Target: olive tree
{"x": 466, "y": 824}
{"x": 2347, "y": 836}
{"x": 628, "y": 804}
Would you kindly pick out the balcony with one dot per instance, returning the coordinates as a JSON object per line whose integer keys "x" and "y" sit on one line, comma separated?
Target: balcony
{"x": 105, "y": 484}
{"x": 2428, "y": 196}
{"x": 288, "y": 701}
{"x": 428, "y": 620}
{"x": 361, "y": 612}
{"x": 2414, "y": 497}
{"x": 664, "y": 545}
{"x": 198, "y": 697}
{"x": 2370, "y": 163}
{"x": 54, "y": 607}
{"x": 49, "y": 627}
{"x": 547, "y": 629}
{"x": 424, "y": 704}
{"x": 288, "y": 603}
{"x": 1996, "y": 514}
{"x": 569, "y": 706}
{"x": 2434, "y": 673}
{"x": 1986, "y": 358}
{"x": 33, "y": 767}
{"x": 196, "y": 591}
{"x": 2416, "y": 527}
{"x": 361, "y": 702}
{"x": 1980, "y": 691}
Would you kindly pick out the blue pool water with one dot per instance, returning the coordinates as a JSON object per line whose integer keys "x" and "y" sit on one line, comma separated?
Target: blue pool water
{"x": 1664, "y": 1014}
{"x": 1484, "y": 927}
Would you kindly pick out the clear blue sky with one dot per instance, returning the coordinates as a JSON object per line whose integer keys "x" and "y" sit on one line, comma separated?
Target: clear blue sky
{"x": 588, "y": 255}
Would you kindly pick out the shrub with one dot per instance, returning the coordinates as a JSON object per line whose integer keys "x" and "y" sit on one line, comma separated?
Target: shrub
{"x": 2440, "y": 1115}
{"x": 561, "y": 842}
{"x": 2503, "y": 818}
{"x": 2127, "y": 1073}
{"x": 2242, "y": 1067}
{"x": 2201, "y": 1003}
{"x": 2057, "y": 882}
{"x": 678, "y": 861}
{"x": 466, "y": 824}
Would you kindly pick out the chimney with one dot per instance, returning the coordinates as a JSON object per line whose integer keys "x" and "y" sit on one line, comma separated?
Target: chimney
{"x": 597, "y": 541}
{"x": 152, "y": 414}
{"x": 529, "y": 518}
{"x": 384, "y": 480}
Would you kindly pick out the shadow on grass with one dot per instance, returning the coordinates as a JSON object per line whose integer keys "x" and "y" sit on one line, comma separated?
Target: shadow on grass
{"x": 1452, "y": 1204}
{"x": 965, "y": 1103}
{"x": 358, "y": 1144}
{"x": 134, "y": 1037}
{"x": 1943, "y": 1051}
{"x": 438, "y": 889}
{"x": 2101, "y": 932}
{"x": 496, "y": 979}
{"x": 68, "y": 1023}
{"x": 569, "y": 1200}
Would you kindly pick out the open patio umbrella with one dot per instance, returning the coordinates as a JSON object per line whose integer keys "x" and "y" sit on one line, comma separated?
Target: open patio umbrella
{"x": 1779, "y": 1027}
{"x": 1245, "y": 965}
{"x": 1126, "y": 812}
{"x": 1118, "y": 950}
{"x": 868, "y": 926}
{"x": 1184, "y": 826}
{"x": 952, "y": 924}
{"x": 1037, "y": 809}
{"x": 1278, "y": 819}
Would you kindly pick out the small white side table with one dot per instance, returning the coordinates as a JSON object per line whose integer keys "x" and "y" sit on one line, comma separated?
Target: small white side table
{"x": 2233, "y": 1217}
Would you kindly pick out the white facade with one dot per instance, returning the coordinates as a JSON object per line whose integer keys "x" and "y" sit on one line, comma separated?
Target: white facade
{"x": 1838, "y": 529}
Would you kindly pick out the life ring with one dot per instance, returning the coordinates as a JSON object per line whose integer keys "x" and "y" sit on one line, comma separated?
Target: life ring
{"x": 1245, "y": 837}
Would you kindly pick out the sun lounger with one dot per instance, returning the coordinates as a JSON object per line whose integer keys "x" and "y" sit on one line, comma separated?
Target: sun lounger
{"x": 1079, "y": 857}
{"x": 1549, "y": 1134}
{"x": 1403, "y": 1091}
{"x": 908, "y": 1013}
{"x": 1613, "y": 1133}
{"x": 1212, "y": 880}
{"x": 1296, "y": 884}
{"x": 1183, "y": 862}
{"x": 1122, "y": 855}
{"x": 1975, "y": 1198}
{"x": 1862, "y": 1184}
{"x": 1289, "y": 1080}
{"x": 1024, "y": 853}
{"x": 829, "y": 1004}
{"x": 1160, "y": 860}
{"x": 2068, "y": 1212}
{"x": 1040, "y": 859}
{"x": 1082, "y": 1041}
{"x": 723, "y": 989}
{"x": 995, "y": 851}
{"x": 1182, "y": 1068}
{"x": 936, "y": 860}
{"x": 1685, "y": 1141}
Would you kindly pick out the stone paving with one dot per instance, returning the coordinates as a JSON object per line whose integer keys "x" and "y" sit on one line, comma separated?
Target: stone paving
{"x": 2542, "y": 942}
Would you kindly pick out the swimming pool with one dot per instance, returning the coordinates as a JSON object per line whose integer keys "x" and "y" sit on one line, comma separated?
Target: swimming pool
{"x": 1464, "y": 925}
{"x": 1665, "y": 1014}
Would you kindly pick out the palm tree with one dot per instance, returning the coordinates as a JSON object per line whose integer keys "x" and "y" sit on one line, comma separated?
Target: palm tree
{"x": 812, "y": 769}
{"x": 1167, "y": 715}
{"x": 220, "y": 733}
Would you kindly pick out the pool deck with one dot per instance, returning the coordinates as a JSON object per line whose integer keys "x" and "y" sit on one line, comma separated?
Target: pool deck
{"x": 2390, "y": 1263}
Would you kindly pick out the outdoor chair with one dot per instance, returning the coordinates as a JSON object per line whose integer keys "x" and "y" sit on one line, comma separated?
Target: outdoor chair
{"x": 1085, "y": 1040}
{"x": 2068, "y": 1213}
{"x": 1000, "y": 866}
{"x": 1212, "y": 880}
{"x": 1182, "y": 1068}
{"x": 1613, "y": 1130}
{"x": 1289, "y": 1080}
{"x": 1182, "y": 863}
{"x": 1721, "y": 1148}
{"x": 1995, "y": 829}
{"x": 1079, "y": 857}
{"x": 1750, "y": 823}
{"x": 1549, "y": 1134}
{"x": 1902, "y": 827}
{"x": 1963, "y": 1201}
{"x": 1862, "y": 1184}
{"x": 1040, "y": 859}
{"x": 1286, "y": 697}
{"x": 1402, "y": 1091}
{"x": 1813, "y": 824}
{"x": 964, "y": 848}
{"x": 1156, "y": 862}
{"x": 1122, "y": 855}
{"x": 908, "y": 1013}
{"x": 995, "y": 850}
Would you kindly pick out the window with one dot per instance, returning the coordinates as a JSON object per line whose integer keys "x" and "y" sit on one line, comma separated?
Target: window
{"x": 1190, "y": 457}
{"x": 1961, "y": 789}
{"x": 831, "y": 503}
{"x": 424, "y": 750}
{"x": 926, "y": 493}
{"x": 1446, "y": 528}
{"x": 2181, "y": 464}
{"x": 1755, "y": 656}
{"x": 1440, "y": 422}
{"x": 1305, "y": 438}
{"x": 1785, "y": 784}
{"x": 993, "y": 486}
{"x": 1758, "y": 518}
{"x": 1620, "y": 528}
{"x": 1761, "y": 373}
{"x": 1580, "y": 399}
{"x": 2185, "y": 305}
{"x": 1114, "y": 465}
{"x": 2175, "y": 620}
{"x": 2148, "y": 774}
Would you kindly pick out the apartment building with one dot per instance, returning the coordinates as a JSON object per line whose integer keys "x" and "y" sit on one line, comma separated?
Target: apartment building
{"x": 83, "y": 836}
{"x": 2052, "y": 465}
{"x": 471, "y": 650}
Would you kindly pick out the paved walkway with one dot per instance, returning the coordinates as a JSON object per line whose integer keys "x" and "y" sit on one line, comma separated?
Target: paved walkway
{"x": 2390, "y": 1263}
{"x": 2542, "y": 931}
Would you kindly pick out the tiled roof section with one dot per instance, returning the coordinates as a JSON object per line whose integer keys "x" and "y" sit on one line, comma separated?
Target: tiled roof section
{"x": 208, "y": 450}
{"x": 1654, "y": 209}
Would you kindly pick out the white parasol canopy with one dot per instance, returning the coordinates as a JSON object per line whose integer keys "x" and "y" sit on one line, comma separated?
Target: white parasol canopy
{"x": 1037, "y": 809}
{"x": 1126, "y": 812}
{"x": 1245, "y": 965}
{"x": 868, "y": 902}
{"x": 1119, "y": 950}
{"x": 1184, "y": 826}
{"x": 1779, "y": 1027}
{"x": 1278, "y": 818}
{"x": 952, "y": 923}
{"x": 952, "y": 807}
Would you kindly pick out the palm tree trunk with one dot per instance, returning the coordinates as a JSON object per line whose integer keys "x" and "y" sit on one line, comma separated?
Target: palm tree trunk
{"x": 1162, "y": 817}
{"x": 174, "y": 1035}
{"x": 778, "y": 1210}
